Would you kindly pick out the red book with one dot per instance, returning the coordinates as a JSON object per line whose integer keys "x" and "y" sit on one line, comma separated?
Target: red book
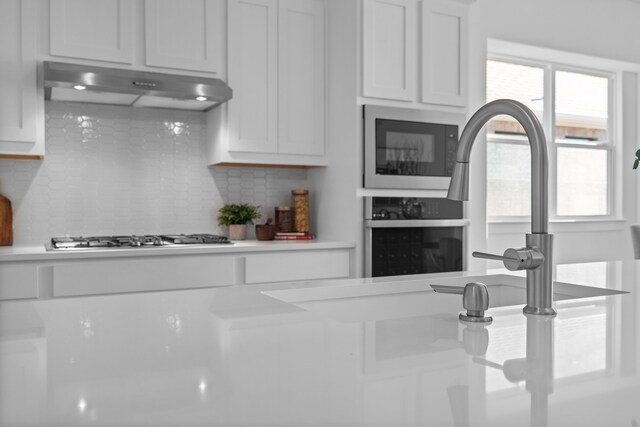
{"x": 291, "y": 233}
{"x": 288, "y": 236}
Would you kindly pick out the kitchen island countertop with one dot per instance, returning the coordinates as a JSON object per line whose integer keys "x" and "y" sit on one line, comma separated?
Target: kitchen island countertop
{"x": 242, "y": 356}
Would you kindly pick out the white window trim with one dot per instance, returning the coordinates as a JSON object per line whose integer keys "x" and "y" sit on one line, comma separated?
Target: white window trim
{"x": 547, "y": 59}
{"x": 520, "y": 225}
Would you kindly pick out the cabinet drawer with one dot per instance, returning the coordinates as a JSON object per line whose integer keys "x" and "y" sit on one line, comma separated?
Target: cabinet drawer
{"x": 142, "y": 274}
{"x": 301, "y": 265}
{"x": 18, "y": 281}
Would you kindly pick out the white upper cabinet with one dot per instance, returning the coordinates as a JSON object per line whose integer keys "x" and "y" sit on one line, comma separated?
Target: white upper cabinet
{"x": 21, "y": 109}
{"x": 444, "y": 52}
{"x": 92, "y": 29}
{"x": 277, "y": 61}
{"x": 180, "y": 34}
{"x": 398, "y": 40}
{"x": 301, "y": 77}
{"x": 389, "y": 49}
{"x": 253, "y": 75}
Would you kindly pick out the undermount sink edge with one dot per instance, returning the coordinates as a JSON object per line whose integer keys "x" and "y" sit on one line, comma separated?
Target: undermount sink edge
{"x": 405, "y": 298}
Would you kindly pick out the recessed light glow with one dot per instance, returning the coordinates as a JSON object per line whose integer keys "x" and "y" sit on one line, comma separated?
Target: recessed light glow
{"x": 79, "y": 87}
{"x": 201, "y": 98}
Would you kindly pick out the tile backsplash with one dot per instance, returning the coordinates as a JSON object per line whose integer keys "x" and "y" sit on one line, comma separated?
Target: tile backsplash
{"x": 120, "y": 170}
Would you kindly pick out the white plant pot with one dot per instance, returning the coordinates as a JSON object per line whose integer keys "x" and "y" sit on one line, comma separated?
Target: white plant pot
{"x": 238, "y": 232}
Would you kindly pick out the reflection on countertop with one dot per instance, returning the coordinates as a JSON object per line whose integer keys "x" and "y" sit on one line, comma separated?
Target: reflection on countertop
{"x": 234, "y": 356}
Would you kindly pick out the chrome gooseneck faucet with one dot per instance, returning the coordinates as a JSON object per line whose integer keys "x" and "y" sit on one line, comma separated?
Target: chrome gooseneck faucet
{"x": 537, "y": 256}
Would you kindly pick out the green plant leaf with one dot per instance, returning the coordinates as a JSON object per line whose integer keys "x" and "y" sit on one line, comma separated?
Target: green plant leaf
{"x": 240, "y": 213}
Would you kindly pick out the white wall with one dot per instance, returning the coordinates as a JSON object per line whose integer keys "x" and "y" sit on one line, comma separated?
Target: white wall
{"x": 602, "y": 28}
{"x": 333, "y": 198}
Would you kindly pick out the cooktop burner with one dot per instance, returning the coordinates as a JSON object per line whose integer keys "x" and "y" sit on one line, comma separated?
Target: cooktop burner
{"x": 134, "y": 241}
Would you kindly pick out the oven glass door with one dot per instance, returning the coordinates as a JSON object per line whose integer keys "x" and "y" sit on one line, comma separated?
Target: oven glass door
{"x": 410, "y": 148}
{"x": 415, "y": 250}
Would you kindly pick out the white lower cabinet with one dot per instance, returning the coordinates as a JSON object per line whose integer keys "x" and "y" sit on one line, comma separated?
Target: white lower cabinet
{"x": 18, "y": 281}
{"x": 142, "y": 274}
{"x": 109, "y": 275}
{"x": 307, "y": 265}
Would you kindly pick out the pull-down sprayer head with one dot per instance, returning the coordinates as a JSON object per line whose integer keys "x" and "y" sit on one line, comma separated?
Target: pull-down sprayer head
{"x": 459, "y": 186}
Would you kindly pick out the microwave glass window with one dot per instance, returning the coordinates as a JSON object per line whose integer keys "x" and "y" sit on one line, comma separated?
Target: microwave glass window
{"x": 409, "y": 148}
{"x": 406, "y": 153}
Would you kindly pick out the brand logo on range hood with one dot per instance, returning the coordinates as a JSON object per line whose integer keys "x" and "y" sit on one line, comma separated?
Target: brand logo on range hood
{"x": 102, "y": 85}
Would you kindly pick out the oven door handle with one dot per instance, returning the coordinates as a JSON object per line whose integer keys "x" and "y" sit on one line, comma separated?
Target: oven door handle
{"x": 410, "y": 223}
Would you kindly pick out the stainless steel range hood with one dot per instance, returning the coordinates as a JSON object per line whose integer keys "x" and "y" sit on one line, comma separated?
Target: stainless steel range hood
{"x": 83, "y": 83}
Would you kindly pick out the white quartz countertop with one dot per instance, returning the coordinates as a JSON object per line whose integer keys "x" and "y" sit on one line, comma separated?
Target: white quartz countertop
{"x": 238, "y": 356}
{"x": 39, "y": 253}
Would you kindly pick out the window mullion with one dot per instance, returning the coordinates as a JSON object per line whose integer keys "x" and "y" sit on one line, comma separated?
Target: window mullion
{"x": 549, "y": 119}
{"x": 613, "y": 145}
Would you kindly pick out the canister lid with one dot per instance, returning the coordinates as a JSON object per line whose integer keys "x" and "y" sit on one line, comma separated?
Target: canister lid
{"x": 283, "y": 208}
{"x": 299, "y": 191}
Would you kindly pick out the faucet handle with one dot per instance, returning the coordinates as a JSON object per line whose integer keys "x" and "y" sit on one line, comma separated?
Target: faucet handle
{"x": 516, "y": 259}
{"x": 475, "y": 299}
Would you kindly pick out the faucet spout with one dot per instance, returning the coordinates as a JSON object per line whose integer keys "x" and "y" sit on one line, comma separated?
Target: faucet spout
{"x": 539, "y": 244}
{"x": 459, "y": 187}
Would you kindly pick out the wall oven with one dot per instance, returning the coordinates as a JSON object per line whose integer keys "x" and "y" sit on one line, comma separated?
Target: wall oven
{"x": 409, "y": 148}
{"x": 409, "y": 235}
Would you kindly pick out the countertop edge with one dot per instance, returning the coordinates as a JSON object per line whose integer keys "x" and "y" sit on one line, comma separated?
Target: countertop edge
{"x": 38, "y": 253}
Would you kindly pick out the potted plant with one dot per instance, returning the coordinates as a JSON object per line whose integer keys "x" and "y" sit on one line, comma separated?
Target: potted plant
{"x": 236, "y": 216}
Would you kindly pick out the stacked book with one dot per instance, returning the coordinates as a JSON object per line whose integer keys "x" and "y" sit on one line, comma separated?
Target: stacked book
{"x": 293, "y": 236}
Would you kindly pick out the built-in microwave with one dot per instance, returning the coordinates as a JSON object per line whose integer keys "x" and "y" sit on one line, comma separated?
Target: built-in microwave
{"x": 409, "y": 148}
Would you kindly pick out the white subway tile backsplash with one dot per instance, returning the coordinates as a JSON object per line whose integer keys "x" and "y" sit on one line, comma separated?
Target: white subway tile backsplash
{"x": 120, "y": 170}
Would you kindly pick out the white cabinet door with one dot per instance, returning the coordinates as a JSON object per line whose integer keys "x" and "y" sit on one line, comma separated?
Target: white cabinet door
{"x": 183, "y": 34}
{"x": 297, "y": 265}
{"x": 389, "y": 49}
{"x": 21, "y": 110}
{"x": 277, "y": 71}
{"x": 253, "y": 73}
{"x": 444, "y": 52}
{"x": 92, "y": 29}
{"x": 18, "y": 280}
{"x": 108, "y": 276}
{"x": 301, "y": 77}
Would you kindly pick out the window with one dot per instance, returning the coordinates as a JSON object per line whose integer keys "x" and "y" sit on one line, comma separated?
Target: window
{"x": 575, "y": 108}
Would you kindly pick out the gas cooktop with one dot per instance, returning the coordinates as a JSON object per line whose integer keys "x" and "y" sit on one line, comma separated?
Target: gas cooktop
{"x": 135, "y": 241}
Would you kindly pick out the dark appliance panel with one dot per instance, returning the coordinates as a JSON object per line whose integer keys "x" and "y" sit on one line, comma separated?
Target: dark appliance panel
{"x": 413, "y": 235}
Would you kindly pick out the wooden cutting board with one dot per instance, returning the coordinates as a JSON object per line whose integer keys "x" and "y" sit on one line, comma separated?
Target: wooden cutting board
{"x": 6, "y": 222}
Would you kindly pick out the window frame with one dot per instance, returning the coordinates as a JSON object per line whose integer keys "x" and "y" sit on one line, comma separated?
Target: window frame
{"x": 611, "y": 146}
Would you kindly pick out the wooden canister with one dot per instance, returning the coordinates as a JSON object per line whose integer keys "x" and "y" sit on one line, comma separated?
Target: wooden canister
{"x": 284, "y": 219}
{"x": 300, "y": 205}
{"x": 6, "y": 222}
